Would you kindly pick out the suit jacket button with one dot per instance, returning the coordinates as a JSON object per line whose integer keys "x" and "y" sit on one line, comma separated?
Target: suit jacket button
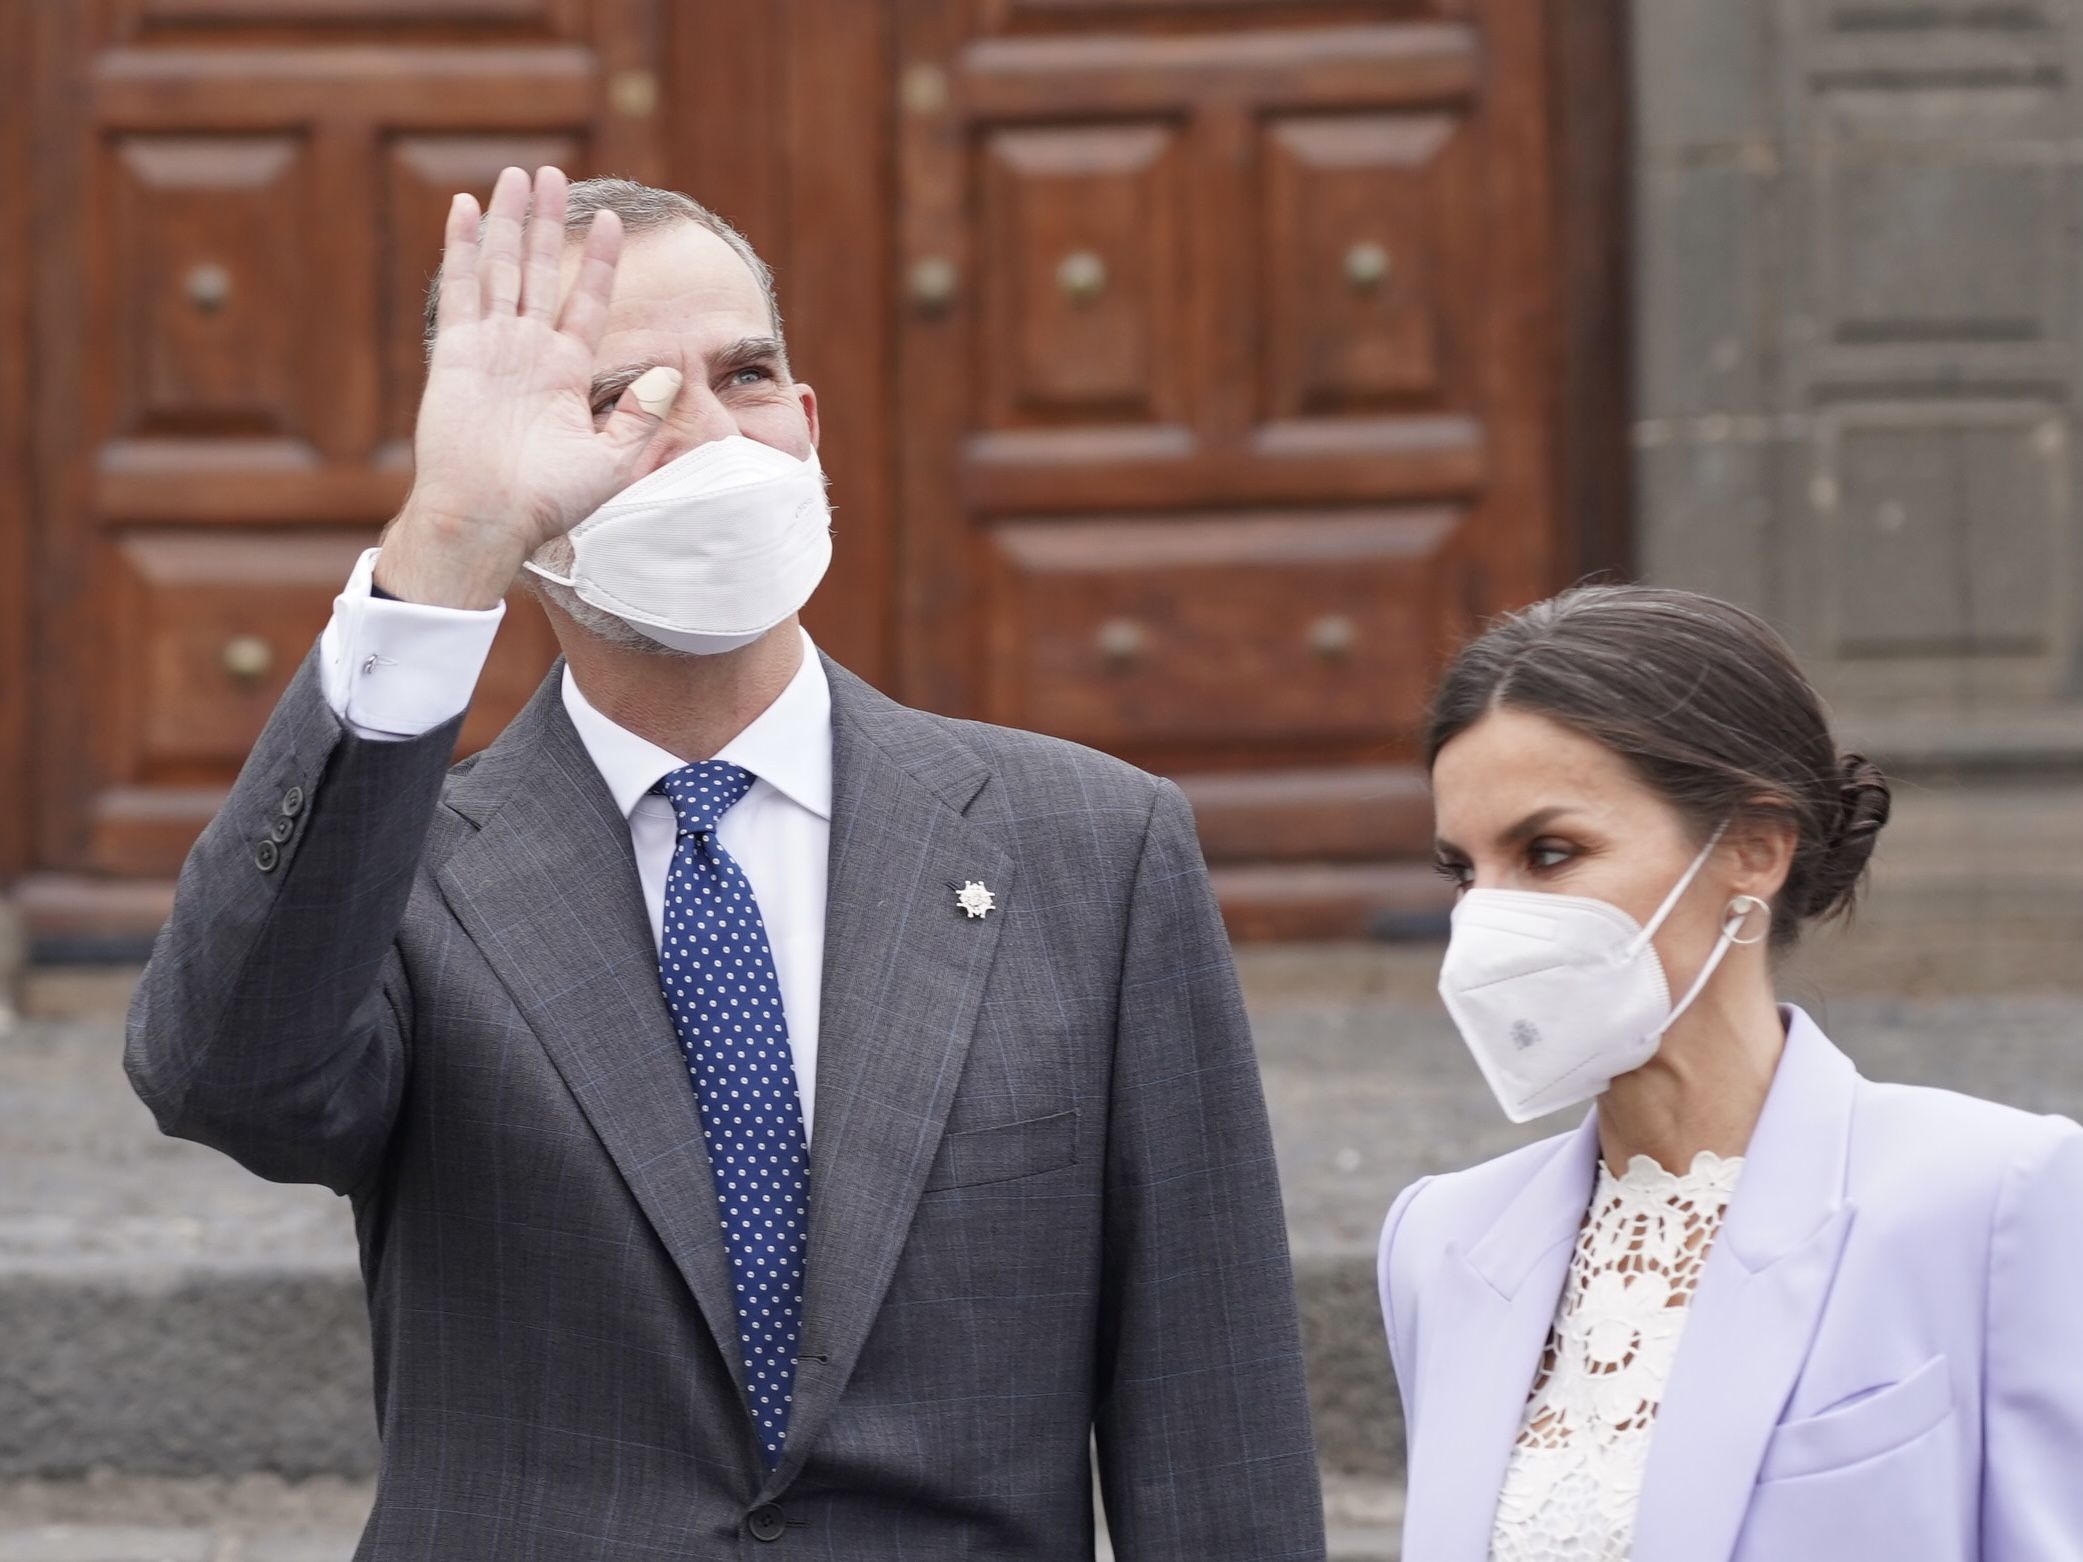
{"x": 265, "y": 856}
{"x": 292, "y": 802}
{"x": 766, "y": 1522}
{"x": 281, "y": 830}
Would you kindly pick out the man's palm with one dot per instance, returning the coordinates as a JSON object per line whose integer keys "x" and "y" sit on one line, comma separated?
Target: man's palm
{"x": 506, "y": 448}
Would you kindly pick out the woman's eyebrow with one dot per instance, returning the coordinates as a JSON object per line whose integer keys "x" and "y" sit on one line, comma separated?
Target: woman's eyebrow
{"x": 1525, "y": 830}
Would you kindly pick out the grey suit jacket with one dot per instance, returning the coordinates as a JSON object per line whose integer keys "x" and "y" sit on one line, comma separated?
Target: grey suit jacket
{"x": 1043, "y": 1199}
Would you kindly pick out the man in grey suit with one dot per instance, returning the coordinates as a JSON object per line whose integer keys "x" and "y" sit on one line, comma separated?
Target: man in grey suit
{"x": 973, "y": 977}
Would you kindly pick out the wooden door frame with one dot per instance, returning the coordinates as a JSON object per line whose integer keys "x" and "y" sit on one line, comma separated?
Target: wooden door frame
{"x": 17, "y": 468}
{"x": 1594, "y": 182}
{"x": 760, "y": 95}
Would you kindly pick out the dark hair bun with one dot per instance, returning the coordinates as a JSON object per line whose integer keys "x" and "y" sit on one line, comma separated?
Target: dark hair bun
{"x": 1747, "y": 739}
{"x": 1864, "y": 803}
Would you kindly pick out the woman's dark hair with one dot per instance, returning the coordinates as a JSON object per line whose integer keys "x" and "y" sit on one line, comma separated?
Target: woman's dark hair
{"x": 1704, "y": 700}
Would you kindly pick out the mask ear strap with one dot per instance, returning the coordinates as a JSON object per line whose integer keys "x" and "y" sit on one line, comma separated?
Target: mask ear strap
{"x": 562, "y": 580}
{"x": 1732, "y": 921}
{"x": 1678, "y": 890}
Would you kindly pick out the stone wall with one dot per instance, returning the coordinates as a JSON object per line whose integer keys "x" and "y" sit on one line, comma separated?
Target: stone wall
{"x": 1856, "y": 312}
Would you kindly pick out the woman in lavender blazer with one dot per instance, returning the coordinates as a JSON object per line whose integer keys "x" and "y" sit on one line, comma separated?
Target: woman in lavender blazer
{"x": 1755, "y": 1307}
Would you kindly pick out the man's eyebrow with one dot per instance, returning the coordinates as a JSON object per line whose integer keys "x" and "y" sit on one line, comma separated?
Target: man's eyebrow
{"x": 607, "y": 388}
{"x": 748, "y": 351}
{"x": 745, "y": 353}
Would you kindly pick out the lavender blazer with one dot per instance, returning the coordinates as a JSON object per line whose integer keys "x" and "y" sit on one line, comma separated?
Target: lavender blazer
{"x": 1884, "y": 1357}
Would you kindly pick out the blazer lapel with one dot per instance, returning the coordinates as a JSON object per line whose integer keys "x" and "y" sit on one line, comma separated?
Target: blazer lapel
{"x": 1484, "y": 1320}
{"x": 1754, "y": 1314}
{"x": 904, "y": 973}
{"x": 548, "y": 892}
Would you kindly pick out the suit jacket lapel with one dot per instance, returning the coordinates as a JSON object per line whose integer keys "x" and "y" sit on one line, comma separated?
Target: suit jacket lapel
{"x": 1485, "y": 1318}
{"x": 1755, "y": 1311}
{"x": 904, "y": 972}
{"x": 548, "y": 892}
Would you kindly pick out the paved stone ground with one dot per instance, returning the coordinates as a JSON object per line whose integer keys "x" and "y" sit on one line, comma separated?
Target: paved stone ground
{"x": 107, "y": 1517}
{"x": 261, "y": 1518}
{"x": 196, "y": 1334}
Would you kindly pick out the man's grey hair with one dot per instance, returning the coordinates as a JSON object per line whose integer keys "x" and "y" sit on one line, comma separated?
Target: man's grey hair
{"x": 643, "y": 208}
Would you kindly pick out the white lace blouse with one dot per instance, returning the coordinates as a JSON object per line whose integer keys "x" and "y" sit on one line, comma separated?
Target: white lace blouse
{"x": 1575, "y": 1477}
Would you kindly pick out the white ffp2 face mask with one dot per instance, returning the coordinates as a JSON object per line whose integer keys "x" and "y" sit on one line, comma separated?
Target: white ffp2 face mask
{"x": 710, "y": 551}
{"x": 1558, "y": 995}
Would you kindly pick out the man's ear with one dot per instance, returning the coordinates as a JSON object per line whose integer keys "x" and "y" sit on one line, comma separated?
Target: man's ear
{"x": 1762, "y": 843}
{"x": 808, "y": 398}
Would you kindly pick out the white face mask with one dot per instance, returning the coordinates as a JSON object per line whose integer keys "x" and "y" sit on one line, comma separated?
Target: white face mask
{"x": 710, "y": 551}
{"x": 1557, "y": 995}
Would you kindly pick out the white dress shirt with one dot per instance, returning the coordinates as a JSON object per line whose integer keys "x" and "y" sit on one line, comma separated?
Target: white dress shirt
{"x": 393, "y": 670}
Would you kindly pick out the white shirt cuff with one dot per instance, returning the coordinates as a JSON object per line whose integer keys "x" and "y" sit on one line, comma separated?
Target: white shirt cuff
{"x": 395, "y": 670}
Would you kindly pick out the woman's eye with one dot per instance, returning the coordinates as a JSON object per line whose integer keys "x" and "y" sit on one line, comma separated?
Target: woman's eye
{"x": 1457, "y": 874}
{"x": 1549, "y": 855}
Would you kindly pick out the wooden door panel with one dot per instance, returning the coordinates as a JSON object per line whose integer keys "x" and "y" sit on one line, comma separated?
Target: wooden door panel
{"x": 205, "y": 249}
{"x": 131, "y": 21}
{"x": 422, "y": 173}
{"x": 1081, "y": 263}
{"x": 1347, "y": 460}
{"x": 1009, "y": 15}
{"x": 1070, "y": 76}
{"x": 1193, "y": 633}
{"x": 209, "y": 626}
{"x": 1356, "y": 217}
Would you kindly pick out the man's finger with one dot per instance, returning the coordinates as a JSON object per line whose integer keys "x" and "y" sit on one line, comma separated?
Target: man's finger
{"x": 545, "y": 246}
{"x": 585, "y": 314}
{"x": 642, "y": 408}
{"x": 499, "y": 251}
{"x": 458, "y": 301}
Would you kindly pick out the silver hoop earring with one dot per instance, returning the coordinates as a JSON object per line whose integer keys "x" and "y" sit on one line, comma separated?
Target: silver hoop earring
{"x": 1738, "y": 914}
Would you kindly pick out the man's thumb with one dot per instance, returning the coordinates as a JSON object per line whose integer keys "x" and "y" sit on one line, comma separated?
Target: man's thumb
{"x": 655, "y": 389}
{"x": 649, "y": 398}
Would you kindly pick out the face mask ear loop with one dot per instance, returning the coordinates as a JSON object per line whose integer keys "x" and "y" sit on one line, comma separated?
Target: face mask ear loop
{"x": 1732, "y": 922}
{"x": 1678, "y": 890}
{"x": 562, "y": 580}
{"x": 1722, "y": 946}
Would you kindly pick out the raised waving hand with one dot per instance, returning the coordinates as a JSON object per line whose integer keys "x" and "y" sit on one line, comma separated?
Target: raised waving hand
{"x": 507, "y": 453}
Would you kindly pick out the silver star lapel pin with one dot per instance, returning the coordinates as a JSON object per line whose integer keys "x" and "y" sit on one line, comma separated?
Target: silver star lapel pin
{"x": 975, "y": 899}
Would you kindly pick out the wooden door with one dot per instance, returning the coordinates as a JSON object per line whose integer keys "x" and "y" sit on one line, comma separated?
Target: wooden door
{"x": 1230, "y": 360}
{"x": 240, "y": 203}
{"x": 1193, "y": 372}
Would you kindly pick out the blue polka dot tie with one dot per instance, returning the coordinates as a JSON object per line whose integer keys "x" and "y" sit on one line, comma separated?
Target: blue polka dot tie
{"x": 718, "y": 974}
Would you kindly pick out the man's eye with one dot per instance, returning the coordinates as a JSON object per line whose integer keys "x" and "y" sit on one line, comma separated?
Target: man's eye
{"x": 758, "y": 373}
